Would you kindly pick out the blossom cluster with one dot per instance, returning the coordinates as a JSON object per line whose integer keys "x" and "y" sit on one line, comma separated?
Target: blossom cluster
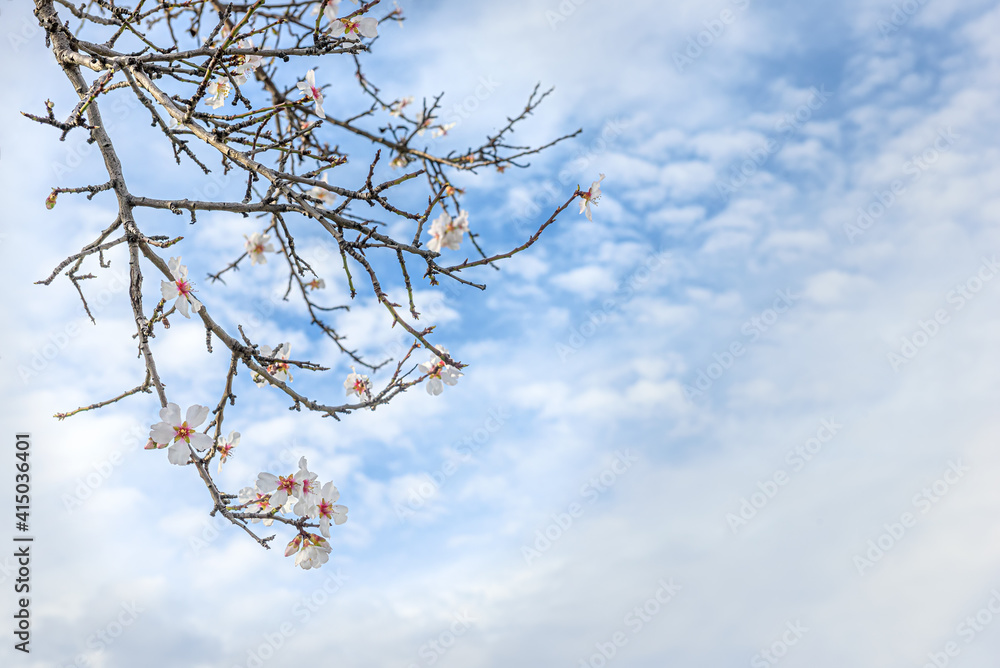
{"x": 439, "y": 373}
{"x": 219, "y": 88}
{"x": 352, "y": 28}
{"x": 298, "y": 493}
{"x": 278, "y": 369}
{"x": 396, "y": 108}
{"x": 424, "y": 124}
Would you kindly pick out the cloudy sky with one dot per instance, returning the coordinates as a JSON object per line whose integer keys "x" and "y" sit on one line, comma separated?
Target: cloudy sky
{"x": 745, "y": 417}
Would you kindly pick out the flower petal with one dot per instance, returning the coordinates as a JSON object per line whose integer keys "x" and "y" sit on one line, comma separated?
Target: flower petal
{"x": 267, "y": 482}
{"x": 201, "y": 441}
{"x": 182, "y": 306}
{"x": 368, "y": 27}
{"x": 196, "y": 415}
{"x": 179, "y": 453}
{"x": 168, "y": 290}
{"x": 162, "y": 433}
{"x": 171, "y": 414}
{"x": 176, "y": 269}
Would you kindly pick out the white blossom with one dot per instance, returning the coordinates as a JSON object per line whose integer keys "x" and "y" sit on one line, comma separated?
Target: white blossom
{"x": 308, "y": 490}
{"x": 322, "y": 194}
{"x": 178, "y": 434}
{"x": 314, "y": 553}
{"x": 358, "y": 384}
{"x": 442, "y": 130}
{"x": 326, "y": 510}
{"x": 282, "y": 488}
{"x": 447, "y": 232}
{"x": 423, "y": 122}
{"x": 180, "y": 288}
{"x": 218, "y": 91}
{"x": 439, "y": 373}
{"x": 308, "y": 87}
{"x": 591, "y": 197}
{"x": 246, "y": 64}
{"x": 224, "y": 446}
{"x": 357, "y": 27}
{"x": 277, "y": 369}
{"x": 396, "y": 109}
{"x": 262, "y": 500}
{"x": 256, "y": 245}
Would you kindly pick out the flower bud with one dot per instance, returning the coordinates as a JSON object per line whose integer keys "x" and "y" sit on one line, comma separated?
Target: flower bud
{"x": 293, "y": 546}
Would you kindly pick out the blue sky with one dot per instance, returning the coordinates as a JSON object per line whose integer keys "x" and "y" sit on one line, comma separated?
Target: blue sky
{"x": 746, "y": 416}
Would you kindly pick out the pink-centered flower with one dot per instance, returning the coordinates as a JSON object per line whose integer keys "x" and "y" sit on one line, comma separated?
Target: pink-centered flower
{"x": 447, "y": 232}
{"x": 218, "y": 91}
{"x": 326, "y": 509}
{"x": 329, "y": 9}
{"x": 316, "y": 284}
{"x": 322, "y": 194}
{"x": 179, "y": 435}
{"x": 442, "y": 130}
{"x": 311, "y": 91}
{"x": 308, "y": 491}
{"x": 357, "y": 27}
{"x": 439, "y": 373}
{"x": 245, "y": 64}
{"x": 179, "y": 288}
{"x": 280, "y": 487}
{"x": 258, "y": 502}
{"x": 224, "y": 446}
{"x": 396, "y": 108}
{"x": 256, "y": 245}
{"x": 278, "y": 369}
{"x": 358, "y": 384}
{"x": 591, "y": 197}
